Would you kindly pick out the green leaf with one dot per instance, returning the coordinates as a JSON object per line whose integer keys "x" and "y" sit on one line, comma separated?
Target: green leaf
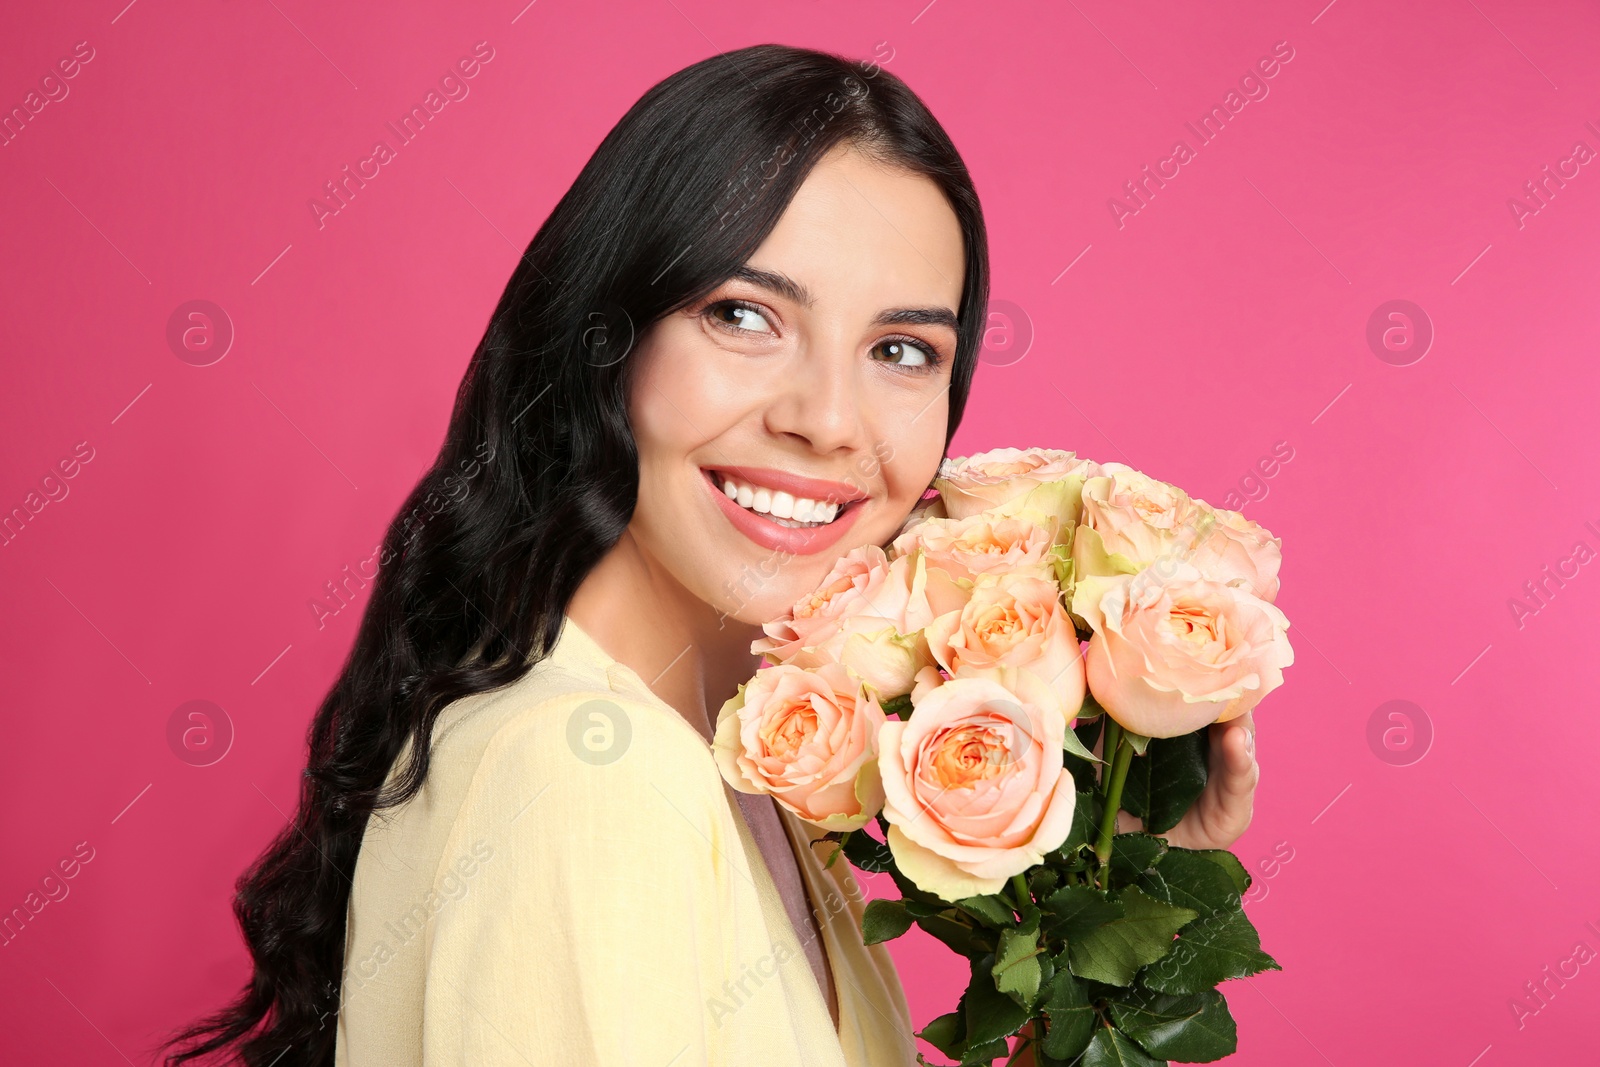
{"x": 1229, "y": 863}
{"x": 867, "y": 852}
{"x": 1139, "y": 741}
{"x": 1071, "y": 1017}
{"x": 1073, "y": 910}
{"x": 1016, "y": 966}
{"x": 1177, "y": 778}
{"x": 1164, "y": 782}
{"x": 1189, "y": 1029}
{"x": 1133, "y": 854}
{"x": 985, "y": 1054}
{"x": 955, "y": 936}
{"x": 993, "y": 909}
{"x": 1208, "y": 952}
{"x": 1085, "y": 824}
{"x": 1076, "y": 748}
{"x": 898, "y": 706}
{"x": 1188, "y": 880}
{"x": 1042, "y": 881}
{"x": 1114, "y": 951}
{"x": 1136, "y": 787}
{"x": 991, "y": 1015}
{"x": 884, "y": 920}
{"x": 1084, "y": 778}
{"x": 947, "y": 1033}
{"x": 1111, "y": 1048}
{"x": 1090, "y": 714}
{"x": 1083, "y": 771}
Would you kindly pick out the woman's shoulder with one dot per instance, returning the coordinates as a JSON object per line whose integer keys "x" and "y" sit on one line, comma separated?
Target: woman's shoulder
{"x": 583, "y": 737}
{"x": 575, "y": 758}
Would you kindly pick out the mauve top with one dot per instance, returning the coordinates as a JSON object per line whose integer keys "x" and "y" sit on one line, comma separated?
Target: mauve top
{"x": 575, "y": 885}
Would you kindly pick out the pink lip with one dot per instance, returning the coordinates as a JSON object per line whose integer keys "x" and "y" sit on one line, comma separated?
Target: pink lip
{"x": 799, "y": 541}
{"x": 796, "y": 485}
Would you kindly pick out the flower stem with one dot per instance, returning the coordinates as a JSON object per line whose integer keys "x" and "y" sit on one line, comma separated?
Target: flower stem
{"x": 1108, "y": 747}
{"x": 1108, "y": 822}
{"x": 1019, "y": 886}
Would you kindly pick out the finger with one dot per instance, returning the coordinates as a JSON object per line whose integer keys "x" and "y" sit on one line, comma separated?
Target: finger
{"x": 1234, "y": 745}
{"x": 1227, "y": 805}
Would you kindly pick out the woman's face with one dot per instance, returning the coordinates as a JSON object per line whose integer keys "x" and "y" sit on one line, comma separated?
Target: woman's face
{"x": 813, "y": 386}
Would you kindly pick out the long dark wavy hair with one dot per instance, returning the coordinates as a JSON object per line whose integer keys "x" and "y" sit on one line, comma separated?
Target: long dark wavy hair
{"x": 538, "y": 473}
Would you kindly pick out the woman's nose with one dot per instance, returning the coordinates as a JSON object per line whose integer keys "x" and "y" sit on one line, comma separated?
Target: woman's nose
{"x": 820, "y": 401}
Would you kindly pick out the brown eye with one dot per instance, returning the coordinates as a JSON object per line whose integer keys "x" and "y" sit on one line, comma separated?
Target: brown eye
{"x": 903, "y": 352}
{"x": 739, "y": 317}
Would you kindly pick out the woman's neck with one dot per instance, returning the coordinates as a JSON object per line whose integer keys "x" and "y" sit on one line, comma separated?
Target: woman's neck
{"x": 690, "y": 655}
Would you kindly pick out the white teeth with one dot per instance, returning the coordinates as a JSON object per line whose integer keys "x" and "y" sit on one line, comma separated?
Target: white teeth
{"x": 783, "y": 508}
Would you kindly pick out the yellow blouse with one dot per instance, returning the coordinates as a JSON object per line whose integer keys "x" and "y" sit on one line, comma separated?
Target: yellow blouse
{"x": 574, "y": 885}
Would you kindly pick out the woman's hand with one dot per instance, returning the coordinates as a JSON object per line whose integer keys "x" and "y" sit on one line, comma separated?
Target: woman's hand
{"x": 1221, "y": 814}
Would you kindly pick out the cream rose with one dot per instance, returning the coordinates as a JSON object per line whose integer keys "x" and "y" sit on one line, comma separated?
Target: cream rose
{"x": 867, "y": 614}
{"x": 1239, "y": 551}
{"x": 979, "y": 544}
{"x": 1170, "y": 656}
{"x": 1130, "y": 520}
{"x": 1013, "y": 620}
{"x": 975, "y": 788}
{"x": 807, "y": 737}
{"x": 988, "y": 480}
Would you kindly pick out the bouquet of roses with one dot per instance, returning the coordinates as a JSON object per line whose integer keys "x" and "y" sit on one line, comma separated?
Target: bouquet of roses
{"x": 953, "y": 691}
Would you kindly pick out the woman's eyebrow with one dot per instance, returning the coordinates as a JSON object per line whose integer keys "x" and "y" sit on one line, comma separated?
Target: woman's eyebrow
{"x": 937, "y": 316}
{"x": 787, "y": 287}
{"x": 777, "y": 282}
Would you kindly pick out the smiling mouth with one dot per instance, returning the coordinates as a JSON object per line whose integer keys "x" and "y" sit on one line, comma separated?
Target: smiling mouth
{"x": 778, "y": 507}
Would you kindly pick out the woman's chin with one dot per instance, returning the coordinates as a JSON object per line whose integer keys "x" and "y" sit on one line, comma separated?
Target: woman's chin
{"x": 756, "y": 607}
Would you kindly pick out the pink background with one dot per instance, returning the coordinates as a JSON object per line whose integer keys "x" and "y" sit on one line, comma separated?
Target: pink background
{"x": 1227, "y": 315}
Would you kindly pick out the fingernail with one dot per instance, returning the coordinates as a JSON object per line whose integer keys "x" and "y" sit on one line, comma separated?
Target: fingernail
{"x": 1250, "y": 742}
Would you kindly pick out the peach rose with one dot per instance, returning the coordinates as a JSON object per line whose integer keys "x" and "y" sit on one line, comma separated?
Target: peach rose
{"x": 1168, "y": 657}
{"x": 1013, "y": 620}
{"x": 988, "y": 480}
{"x": 1239, "y": 551}
{"x": 1130, "y": 520}
{"x": 979, "y": 544}
{"x": 807, "y": 737}
{"x": 975, "y": 789}
{"x": 867, "y": 614}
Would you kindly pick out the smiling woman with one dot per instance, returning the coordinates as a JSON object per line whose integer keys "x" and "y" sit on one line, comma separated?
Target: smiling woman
{"x": 538, "y": 667}
{"x": 835, "y": 338}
